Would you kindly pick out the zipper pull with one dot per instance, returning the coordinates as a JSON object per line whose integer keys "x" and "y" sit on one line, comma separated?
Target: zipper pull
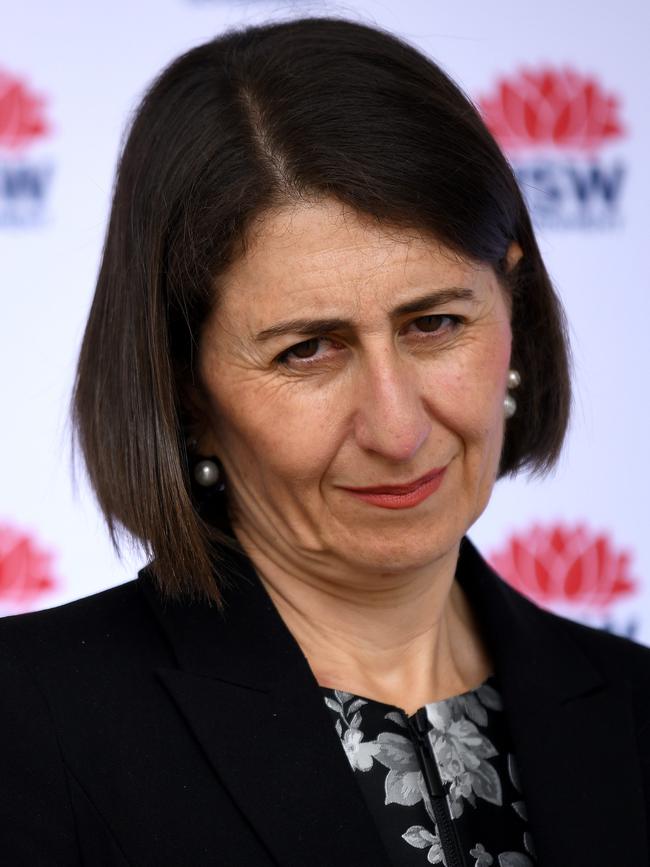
{"x": 418, "y": 725}
{"x": 421, "y": 722}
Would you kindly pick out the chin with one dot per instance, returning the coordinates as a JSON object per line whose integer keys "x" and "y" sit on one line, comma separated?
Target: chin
{"x": 401, "y": 553}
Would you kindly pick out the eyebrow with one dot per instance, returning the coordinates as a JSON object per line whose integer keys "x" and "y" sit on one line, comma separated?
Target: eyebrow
{"x": 324, "y": 326}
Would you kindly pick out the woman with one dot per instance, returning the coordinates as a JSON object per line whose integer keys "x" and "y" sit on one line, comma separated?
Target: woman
{"x": 322, "y": 329}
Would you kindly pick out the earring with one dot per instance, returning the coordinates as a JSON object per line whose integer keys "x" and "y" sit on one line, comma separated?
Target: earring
{"x": 509, "y": 403}
{"x": 206, "y": 473}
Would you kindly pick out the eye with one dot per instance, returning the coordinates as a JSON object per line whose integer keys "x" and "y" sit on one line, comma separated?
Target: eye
{"x": 306, "y": 350}
{"x": 429, "y": 323}
{"x": 436, "y": 322}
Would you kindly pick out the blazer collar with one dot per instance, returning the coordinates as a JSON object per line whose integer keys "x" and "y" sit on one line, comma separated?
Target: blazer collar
{"x": 251, "y": 700}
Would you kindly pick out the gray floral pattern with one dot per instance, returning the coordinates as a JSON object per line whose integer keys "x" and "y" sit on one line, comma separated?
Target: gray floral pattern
{"x": 462, "y": 750}
{"x": 468, "y": 741}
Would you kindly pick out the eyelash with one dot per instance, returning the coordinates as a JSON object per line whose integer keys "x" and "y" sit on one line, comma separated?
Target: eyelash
{"x": 284, "y": 357}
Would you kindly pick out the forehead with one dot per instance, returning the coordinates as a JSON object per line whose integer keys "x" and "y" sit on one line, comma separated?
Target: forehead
{"x": 322, "y": 255}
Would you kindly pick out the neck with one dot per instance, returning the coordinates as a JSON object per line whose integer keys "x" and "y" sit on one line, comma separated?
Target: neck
{"x": 402, "y": 639}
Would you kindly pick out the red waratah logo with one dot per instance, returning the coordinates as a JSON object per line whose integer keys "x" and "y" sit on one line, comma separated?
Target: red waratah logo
{"x": 564, "y": 566}
{"x": 559, "y": 108}
{"x": 22, "y": 117}
{"x": 25, "y": 569}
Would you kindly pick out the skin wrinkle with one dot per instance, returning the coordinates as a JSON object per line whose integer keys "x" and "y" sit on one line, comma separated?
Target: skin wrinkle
{"x": 368, "y": 593}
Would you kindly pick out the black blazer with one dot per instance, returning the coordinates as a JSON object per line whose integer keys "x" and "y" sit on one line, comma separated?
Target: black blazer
{"x": 137, "y": 733}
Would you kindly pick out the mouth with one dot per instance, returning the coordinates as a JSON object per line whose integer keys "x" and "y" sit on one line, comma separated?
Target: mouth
{"x": 402, "y": 496}
{"x": 405, "y": 488}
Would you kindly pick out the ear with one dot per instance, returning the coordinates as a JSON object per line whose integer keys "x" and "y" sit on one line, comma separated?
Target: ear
{"x": 197, "y": 420}
{"x": 513, "y": 255}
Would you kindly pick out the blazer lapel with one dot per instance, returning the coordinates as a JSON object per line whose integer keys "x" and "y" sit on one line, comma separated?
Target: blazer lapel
{"x": 573, "y": 732}
{"x": 247, "y": 693}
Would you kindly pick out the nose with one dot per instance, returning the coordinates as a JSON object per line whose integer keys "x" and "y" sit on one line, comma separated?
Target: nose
{"x": 391, "y": 418}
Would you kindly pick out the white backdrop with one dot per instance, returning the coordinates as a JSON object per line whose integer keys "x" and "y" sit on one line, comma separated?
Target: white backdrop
{"x": 564, "y": 87}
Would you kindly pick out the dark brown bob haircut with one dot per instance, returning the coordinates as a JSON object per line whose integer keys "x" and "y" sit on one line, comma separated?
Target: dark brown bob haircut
{"x": 252, "y": 120}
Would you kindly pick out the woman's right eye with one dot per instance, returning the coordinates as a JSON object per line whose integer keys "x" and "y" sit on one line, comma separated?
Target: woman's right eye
{"x": 304, "y": 351}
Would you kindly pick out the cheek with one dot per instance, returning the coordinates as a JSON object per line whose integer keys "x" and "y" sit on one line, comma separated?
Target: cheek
{"x": 468, "y": 395}
{"x": 275, "y": 432}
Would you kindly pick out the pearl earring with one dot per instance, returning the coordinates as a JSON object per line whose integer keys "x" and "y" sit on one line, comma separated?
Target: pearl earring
{"x": 509, "y": 403}
{"x": 206, "y": 473}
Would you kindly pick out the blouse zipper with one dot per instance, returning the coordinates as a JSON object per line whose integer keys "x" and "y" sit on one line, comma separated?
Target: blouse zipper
{"x": 444, "y": 822}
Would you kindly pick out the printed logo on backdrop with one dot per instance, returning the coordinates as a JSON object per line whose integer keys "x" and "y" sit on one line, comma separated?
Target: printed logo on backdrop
{"x": 26, "y": 167}
{"x": 572, "y": 571}
{"x": 564, "y": 136}
{"x": 27, "y": 572}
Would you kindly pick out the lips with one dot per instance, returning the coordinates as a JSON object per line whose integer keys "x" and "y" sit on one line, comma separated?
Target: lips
{"x": 406, "y": 488}
{"x": 405, "y": 496}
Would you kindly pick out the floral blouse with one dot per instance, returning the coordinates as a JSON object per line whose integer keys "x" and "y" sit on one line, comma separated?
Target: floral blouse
{"x": 441, "y": 784}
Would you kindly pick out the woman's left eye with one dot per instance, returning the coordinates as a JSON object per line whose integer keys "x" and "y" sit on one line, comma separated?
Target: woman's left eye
{"x": 435, "y": 322}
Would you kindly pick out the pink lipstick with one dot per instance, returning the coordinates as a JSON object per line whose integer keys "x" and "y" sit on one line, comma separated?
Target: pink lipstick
{"x": 401, "y": 496}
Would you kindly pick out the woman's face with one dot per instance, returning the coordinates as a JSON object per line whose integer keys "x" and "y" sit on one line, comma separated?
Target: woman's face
{"x": 345, "y": 355}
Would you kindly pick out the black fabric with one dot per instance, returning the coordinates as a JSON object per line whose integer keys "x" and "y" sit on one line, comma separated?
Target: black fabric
{"x": 137, "y": 732}
{"x": 468, "y": 739}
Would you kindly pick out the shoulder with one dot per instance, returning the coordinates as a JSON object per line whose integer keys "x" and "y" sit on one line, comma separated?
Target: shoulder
{"x": 620, "y": 661}
{"x": 515, "y": 623}
{"x": 614, "y": 655}
{"x": 66, "y": 675}
{"x": 97, "y": 630}
{"x": 80, "y": 616}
